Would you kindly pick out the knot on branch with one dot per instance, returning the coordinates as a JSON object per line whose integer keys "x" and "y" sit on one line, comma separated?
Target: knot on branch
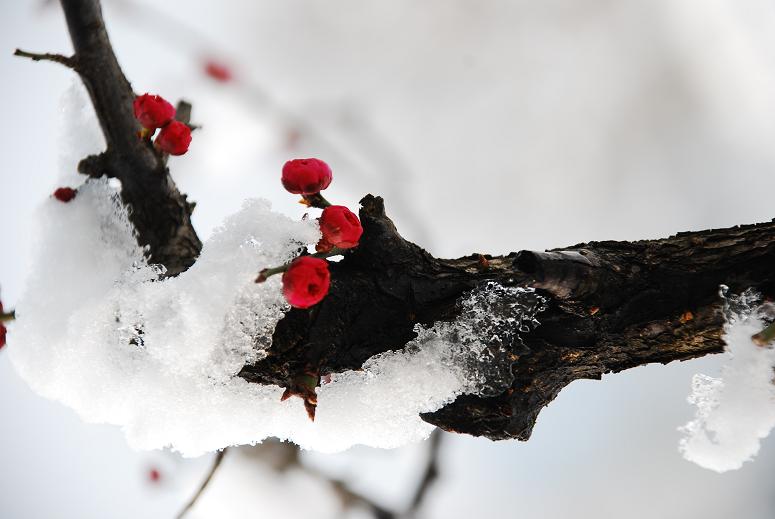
{"x": 94, "y": 166}
{"x": 571, "y": 275}
{"x": 381, "y": 246}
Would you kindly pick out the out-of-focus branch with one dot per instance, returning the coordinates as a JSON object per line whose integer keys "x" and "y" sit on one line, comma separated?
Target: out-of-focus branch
{"x": 351, "y": 498}
{"x": 429, "y": 474}
{"x": 282, "y": 456}
{"x": 206, "y": 481}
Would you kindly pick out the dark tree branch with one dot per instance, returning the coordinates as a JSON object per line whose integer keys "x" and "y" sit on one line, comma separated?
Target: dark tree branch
{"x": 160, "y": 213}
{"x": 613, "y": 306}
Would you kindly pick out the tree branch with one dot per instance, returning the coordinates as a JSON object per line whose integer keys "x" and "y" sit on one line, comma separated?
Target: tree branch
{"x": 429, "y": 475}
{"x": 56, "y": 58}
{"x": 613, "y": 306}
{"x": 160, "y": 213}
{"x": 206, "y": 481}
{"x": 282, "y": 456}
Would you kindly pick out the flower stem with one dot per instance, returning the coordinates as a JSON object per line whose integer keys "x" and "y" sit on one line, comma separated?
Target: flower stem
{"x": 316, "y": 200}
{"x": 269, "y": 272}
{"x": 336, "y": 251}
{"x": 10, "y": 316}
{"x": 145, "y": 134}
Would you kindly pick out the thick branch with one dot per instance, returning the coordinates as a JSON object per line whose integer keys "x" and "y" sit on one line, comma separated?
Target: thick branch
{"x": 613, "y": 306}
{"x": 160, "y": 213}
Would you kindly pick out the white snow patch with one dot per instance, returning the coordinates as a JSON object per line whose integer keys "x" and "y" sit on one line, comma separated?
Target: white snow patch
{"x": 79, "y": 133}
{"x": 98, "y": 331}
{"x": 736, "y": 410}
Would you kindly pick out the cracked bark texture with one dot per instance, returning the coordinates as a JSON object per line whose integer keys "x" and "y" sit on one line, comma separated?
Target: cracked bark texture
{"x": 612, "y": 305}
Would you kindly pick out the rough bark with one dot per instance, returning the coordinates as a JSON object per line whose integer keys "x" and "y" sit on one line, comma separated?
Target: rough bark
{"x": 612, "y": 305}
{"x": 160, "y": 213}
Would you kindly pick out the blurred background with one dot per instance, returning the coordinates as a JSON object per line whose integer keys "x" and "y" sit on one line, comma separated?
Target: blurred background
{"x": 488, "y": 126}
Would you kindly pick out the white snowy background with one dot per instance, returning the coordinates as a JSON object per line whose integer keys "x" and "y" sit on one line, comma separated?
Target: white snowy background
{"x": 489, "y": 126}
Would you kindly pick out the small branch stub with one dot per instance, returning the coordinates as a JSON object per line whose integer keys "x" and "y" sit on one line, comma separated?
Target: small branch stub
{"x": 56, "y": 58}
{"x": 765, "y": 337}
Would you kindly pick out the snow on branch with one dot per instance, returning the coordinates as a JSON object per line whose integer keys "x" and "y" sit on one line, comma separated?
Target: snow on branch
{"x": 159, "y": 357}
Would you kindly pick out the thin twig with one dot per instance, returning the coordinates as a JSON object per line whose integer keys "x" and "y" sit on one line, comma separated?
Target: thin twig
{"x": 429, "y": 475}
{"x": 216, "y": 463}
{"x": 283, "y": 456}
{"x": 349, "y": 498}
{"x": 67, "y": 61}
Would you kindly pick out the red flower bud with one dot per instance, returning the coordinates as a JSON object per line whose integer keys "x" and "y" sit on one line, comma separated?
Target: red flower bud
{"x": 153, "y": 111}
{"x": 64, "y": 194}
{"x": 218, "y": 71}
{"x": 174, "y": 138}
{"x": 306, "y": 281}
{"x": 340, "y": 228}
{"x": 306, "y": 176}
